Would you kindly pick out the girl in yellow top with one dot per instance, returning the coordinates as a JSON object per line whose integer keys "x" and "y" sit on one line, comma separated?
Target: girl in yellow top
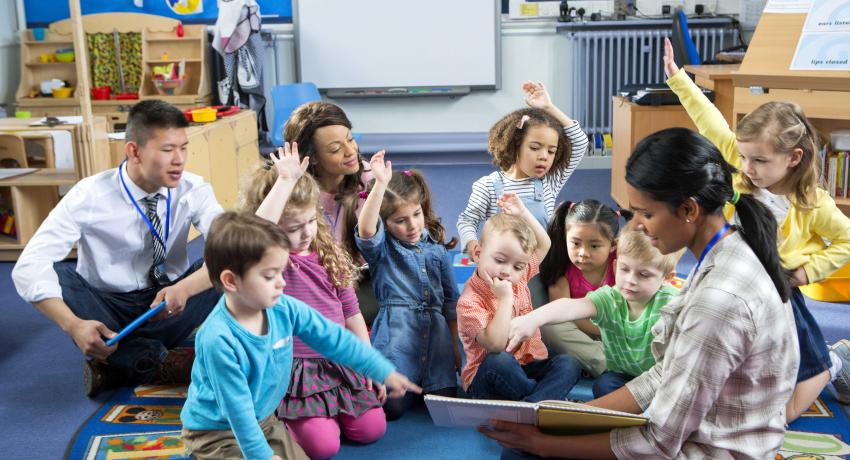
{"x": 775, "y": 150}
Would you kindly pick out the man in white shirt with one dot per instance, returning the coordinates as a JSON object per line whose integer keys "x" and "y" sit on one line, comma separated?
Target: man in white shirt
{"x": 130, "y": 225}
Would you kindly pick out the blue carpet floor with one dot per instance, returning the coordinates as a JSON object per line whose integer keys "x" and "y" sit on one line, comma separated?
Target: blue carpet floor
{"x": 42, "y": 402}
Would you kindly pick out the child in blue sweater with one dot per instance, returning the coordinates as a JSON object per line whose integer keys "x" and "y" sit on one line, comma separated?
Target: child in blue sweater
{"x": 244, "y": 348}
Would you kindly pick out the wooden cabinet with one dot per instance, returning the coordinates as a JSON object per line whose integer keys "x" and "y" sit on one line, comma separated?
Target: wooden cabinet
{"x": 632, "y": 123}
{"x": 222, "y": 152}
{"x": 32, "y": 196}
{"x": 717, "y": 78}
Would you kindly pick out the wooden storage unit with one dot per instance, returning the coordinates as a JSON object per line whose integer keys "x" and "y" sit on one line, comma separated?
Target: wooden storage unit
{"x": 633, "y": 122}
{"x": 824, "y": 95}
{"x": 158, "y": 36}
{"x": 32, "y": 196}
{"x": 221, "y": 152}
{"x": 718, "y": 78}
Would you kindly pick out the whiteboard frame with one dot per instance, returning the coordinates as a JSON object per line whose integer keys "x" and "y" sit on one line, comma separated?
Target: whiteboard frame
{"x": 394, "y": 90}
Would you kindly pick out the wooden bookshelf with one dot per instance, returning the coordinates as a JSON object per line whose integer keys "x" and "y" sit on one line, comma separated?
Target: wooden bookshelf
{"x": 158, "y": 37}
{"x": 32, "y": 196}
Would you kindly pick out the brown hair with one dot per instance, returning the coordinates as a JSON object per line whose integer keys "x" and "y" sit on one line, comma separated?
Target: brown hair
{"x": 410, "y": 186}
{"x": 237, "y": 241}
{"x": 785, "y": 127}
{"x": 506, "y": 137}
{"x": 516, "y": 226}
{"x": 304, "y": 195}
{"x": 300, "y": 128}
{"x": 635, "y": 243}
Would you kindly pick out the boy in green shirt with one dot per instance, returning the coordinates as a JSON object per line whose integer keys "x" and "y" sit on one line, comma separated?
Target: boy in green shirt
{"x": 625, "y": 313}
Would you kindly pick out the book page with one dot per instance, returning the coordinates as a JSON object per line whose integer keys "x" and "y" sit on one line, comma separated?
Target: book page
{"x": 579, "y": 407}
{"x": 474, "y": 412}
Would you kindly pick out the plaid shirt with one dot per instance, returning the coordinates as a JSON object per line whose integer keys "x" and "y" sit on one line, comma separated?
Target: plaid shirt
{"x": 727, "y": 357}
{"x": 475, "y": 309}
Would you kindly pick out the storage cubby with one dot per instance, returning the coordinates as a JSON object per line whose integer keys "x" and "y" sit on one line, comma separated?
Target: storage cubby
{"x": 159, "y": 36}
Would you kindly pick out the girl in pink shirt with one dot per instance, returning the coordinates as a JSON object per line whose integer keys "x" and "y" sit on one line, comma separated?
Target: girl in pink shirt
{"x": 325, "y": 399}
{"x": 581, "y": 260}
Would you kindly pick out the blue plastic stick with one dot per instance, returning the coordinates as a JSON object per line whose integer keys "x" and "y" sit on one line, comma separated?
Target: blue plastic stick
{"x": 136, "y": 323}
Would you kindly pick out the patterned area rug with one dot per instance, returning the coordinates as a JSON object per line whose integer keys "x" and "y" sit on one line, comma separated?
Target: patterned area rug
{"x": 144, "y": 423}
{"x": 821, "y": 433}
{"x": 135, "y": 423}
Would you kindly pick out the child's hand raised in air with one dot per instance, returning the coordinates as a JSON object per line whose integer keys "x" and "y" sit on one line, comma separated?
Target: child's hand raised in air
{"x": 381, "y": 170}
{"x": 286, "y": 162}
{"x": 670, "y": 67}
{"x": 511, "y": 204}
{"x": 522, "y": 328}
{"x": 536, "y": 95}
{"x": 399, "y": 385}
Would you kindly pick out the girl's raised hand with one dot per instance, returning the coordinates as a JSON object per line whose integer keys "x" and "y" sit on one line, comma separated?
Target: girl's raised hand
{"x": 381, "y": 170}
{"x": 287, "y": 163}
{"x": 511, "y": 204}
{"x": 670, "y": 67}
{"x": 536, "y": 95}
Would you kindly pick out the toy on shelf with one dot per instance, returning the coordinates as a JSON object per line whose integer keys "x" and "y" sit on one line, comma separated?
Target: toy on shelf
{"x": 65, "y": 55}
{"x": 7, "y": 224}
{"x": 168, "y": 78}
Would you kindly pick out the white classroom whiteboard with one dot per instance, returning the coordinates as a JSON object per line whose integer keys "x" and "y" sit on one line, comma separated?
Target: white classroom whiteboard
{"x": 397, "y": 43}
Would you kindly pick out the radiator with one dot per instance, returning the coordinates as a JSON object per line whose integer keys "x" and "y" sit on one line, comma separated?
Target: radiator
{"x": 603, "y": 61}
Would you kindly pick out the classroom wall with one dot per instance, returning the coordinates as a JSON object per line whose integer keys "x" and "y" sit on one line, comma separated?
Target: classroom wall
{"x": 530, "y": 50}
{"x": 10, "y": 52}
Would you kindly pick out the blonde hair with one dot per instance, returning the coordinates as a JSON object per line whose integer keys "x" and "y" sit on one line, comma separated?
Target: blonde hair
{"x": 514, "y": 225}
{"x": 785, "y": 127}
{"x": 507, "y": 134}
{"x": 635, "y": 243}
{"x": 409, "y": 186}
{"x": 304, "y": 196}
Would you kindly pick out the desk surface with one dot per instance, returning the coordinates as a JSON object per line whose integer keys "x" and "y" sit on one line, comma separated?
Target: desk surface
{"x": 713, "y": 71}
{"x": 42, "y": 177}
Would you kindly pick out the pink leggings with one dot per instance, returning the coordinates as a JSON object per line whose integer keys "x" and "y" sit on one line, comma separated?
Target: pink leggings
{"x": 319, "y": 436}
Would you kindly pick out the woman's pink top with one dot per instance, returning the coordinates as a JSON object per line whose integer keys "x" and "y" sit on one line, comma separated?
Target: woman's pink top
{"x": 334, "y": 211}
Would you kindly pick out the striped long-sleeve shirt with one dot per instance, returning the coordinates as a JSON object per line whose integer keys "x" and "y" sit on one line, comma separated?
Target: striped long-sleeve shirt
{"x": 482, "y": 201}
{"x": 308, "y": 281}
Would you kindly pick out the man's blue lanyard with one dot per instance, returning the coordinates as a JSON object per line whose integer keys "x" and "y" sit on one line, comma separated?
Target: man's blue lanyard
{"x": 145, "y": 216}
{"x": 711, "y": 244}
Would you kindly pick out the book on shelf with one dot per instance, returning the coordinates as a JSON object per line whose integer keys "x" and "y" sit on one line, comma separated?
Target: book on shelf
{"x": 838, "y": 175}
{"x": 554, "y": 417}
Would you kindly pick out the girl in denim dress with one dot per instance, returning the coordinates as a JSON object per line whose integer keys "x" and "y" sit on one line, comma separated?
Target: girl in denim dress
{"x": 402, "y": 241}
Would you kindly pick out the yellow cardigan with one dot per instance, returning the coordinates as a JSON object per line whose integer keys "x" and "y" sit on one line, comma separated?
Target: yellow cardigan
{"x": 803, "y": 232}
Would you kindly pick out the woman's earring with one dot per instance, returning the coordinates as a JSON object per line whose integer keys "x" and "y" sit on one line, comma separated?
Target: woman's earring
{"x": 688, "y": 220}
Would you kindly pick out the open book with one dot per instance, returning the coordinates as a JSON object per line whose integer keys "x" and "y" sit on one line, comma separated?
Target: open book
{"x": 555, "y": 417}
